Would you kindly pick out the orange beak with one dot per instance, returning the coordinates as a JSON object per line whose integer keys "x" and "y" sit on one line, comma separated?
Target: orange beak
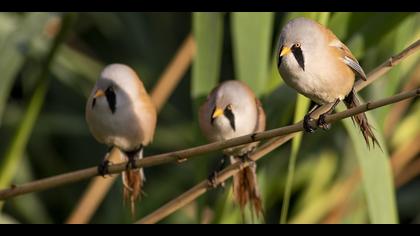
{"x": 99, "y": 93}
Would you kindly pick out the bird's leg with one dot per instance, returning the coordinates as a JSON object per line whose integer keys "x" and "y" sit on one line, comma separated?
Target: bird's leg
{"x": 247, "y": 158}
{"x": 307, "y": 118}
{"x": 131, "y": 155}
{"x": 103, "y": 166}
{"x": 321, "y": 120}
{"x": 212, "y": 178}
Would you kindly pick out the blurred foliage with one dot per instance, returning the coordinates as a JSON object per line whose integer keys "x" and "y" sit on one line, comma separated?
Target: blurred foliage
{"x": 230, "y": 46}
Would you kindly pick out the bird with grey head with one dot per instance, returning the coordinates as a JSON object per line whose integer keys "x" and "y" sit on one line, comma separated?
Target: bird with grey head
{"x": 120, "y": 113}
{"x": 232, "y": 110}
{"x": 314, "y": 62}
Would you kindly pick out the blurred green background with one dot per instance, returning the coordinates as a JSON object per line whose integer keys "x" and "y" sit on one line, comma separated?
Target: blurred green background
{"x": 44, "y": 82}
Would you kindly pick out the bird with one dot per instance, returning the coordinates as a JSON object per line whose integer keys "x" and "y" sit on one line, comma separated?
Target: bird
{"x": 232, "y": 110}
{"x": 120, "y": 113}
{"x": 314, "y": 62}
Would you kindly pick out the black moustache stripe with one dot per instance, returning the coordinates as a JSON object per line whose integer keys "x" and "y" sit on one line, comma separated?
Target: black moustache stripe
{"x": 111, "y": 98}
{"x": 211, "y": 116}
{"x": 231, "y": 117}
{"x": 93, "y": 103}
{"x": 297, "y": 52}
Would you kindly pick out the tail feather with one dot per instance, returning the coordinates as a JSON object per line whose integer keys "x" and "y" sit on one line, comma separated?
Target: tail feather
{"x": 133, "y": 183}
{"x": 245, "y": 189}
{"x": 361, "y": 120}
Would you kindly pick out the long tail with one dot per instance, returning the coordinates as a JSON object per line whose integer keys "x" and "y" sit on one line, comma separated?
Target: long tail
{"x": 361, "y": 120}
{"x": 245, "y": 189}
{"x": 133, "y": 182}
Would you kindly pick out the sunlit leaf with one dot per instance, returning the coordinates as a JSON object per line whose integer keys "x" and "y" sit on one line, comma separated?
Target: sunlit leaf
{"x": 251, "y": 39}
{"x": 377, "y": 176}
{"x": 208, "y": 34}
{"x": 13, "y": 50}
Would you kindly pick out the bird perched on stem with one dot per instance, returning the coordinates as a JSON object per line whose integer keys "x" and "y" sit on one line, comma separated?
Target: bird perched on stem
{"x": 232, "y": 110}
{"x": 313, "y": 61}
{"x": 120, "y": 113}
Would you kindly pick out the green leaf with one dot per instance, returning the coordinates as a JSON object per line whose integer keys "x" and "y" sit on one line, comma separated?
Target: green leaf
{"x": 208, "y": 34}
{"x": 323, "y": 17}
{"x": 339, "y": 24}
{"x": 408, "y": 127}
{"x": 320, "y": 205}
{"x": 15, "y": 150}
{"x": 251, "y": 39}
{"x": 368, "y": 29}
{"x": 6, "y": 219}
{"x": 8, "y": 24}
{"x": 274, "y": 80}
{"x": 376, "y": 171}
{"x": 76, "y": 70}
{"x": 14, "y": 47}
{"x": 407, "y": 32}
{"x": 302, "y": 104}
{"x": 322, "y": 175}
{"x": 29, "y": 207}
{"x": 402, "y": 36}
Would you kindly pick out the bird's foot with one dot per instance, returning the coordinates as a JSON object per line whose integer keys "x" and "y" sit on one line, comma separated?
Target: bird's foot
{"x": 247, "y": 159}
{"x": 306, "y": 124}
{"x": 212, "y": 179}
{"x": 103, "y": 168}
{"x": 131, "y": 164}
{"x": 322, "y": 123}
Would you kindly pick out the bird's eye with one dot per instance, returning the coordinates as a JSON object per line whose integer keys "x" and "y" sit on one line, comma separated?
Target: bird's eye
{"x": 297, "y": 45}
{"x": 229, "y": 107}
{"x": 110, "y": 89}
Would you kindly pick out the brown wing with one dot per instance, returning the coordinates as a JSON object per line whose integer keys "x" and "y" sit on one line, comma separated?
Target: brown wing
{"x": 146, "y": 109}
{"x": 344, "y": 53}
{"x": 261, "y": 117}
{"x": 260, "y": 126}
{"x": 351, "y": 62}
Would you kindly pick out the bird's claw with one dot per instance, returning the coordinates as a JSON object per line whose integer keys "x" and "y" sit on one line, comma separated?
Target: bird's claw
{"x": 131, "y": 164}
{"x": 322, "y": 123}
{"x": 247, "y": 159}
{"x": 103, "y": 168}
{"x": 306, "y": 124}
{"x": 212, "y": 180}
